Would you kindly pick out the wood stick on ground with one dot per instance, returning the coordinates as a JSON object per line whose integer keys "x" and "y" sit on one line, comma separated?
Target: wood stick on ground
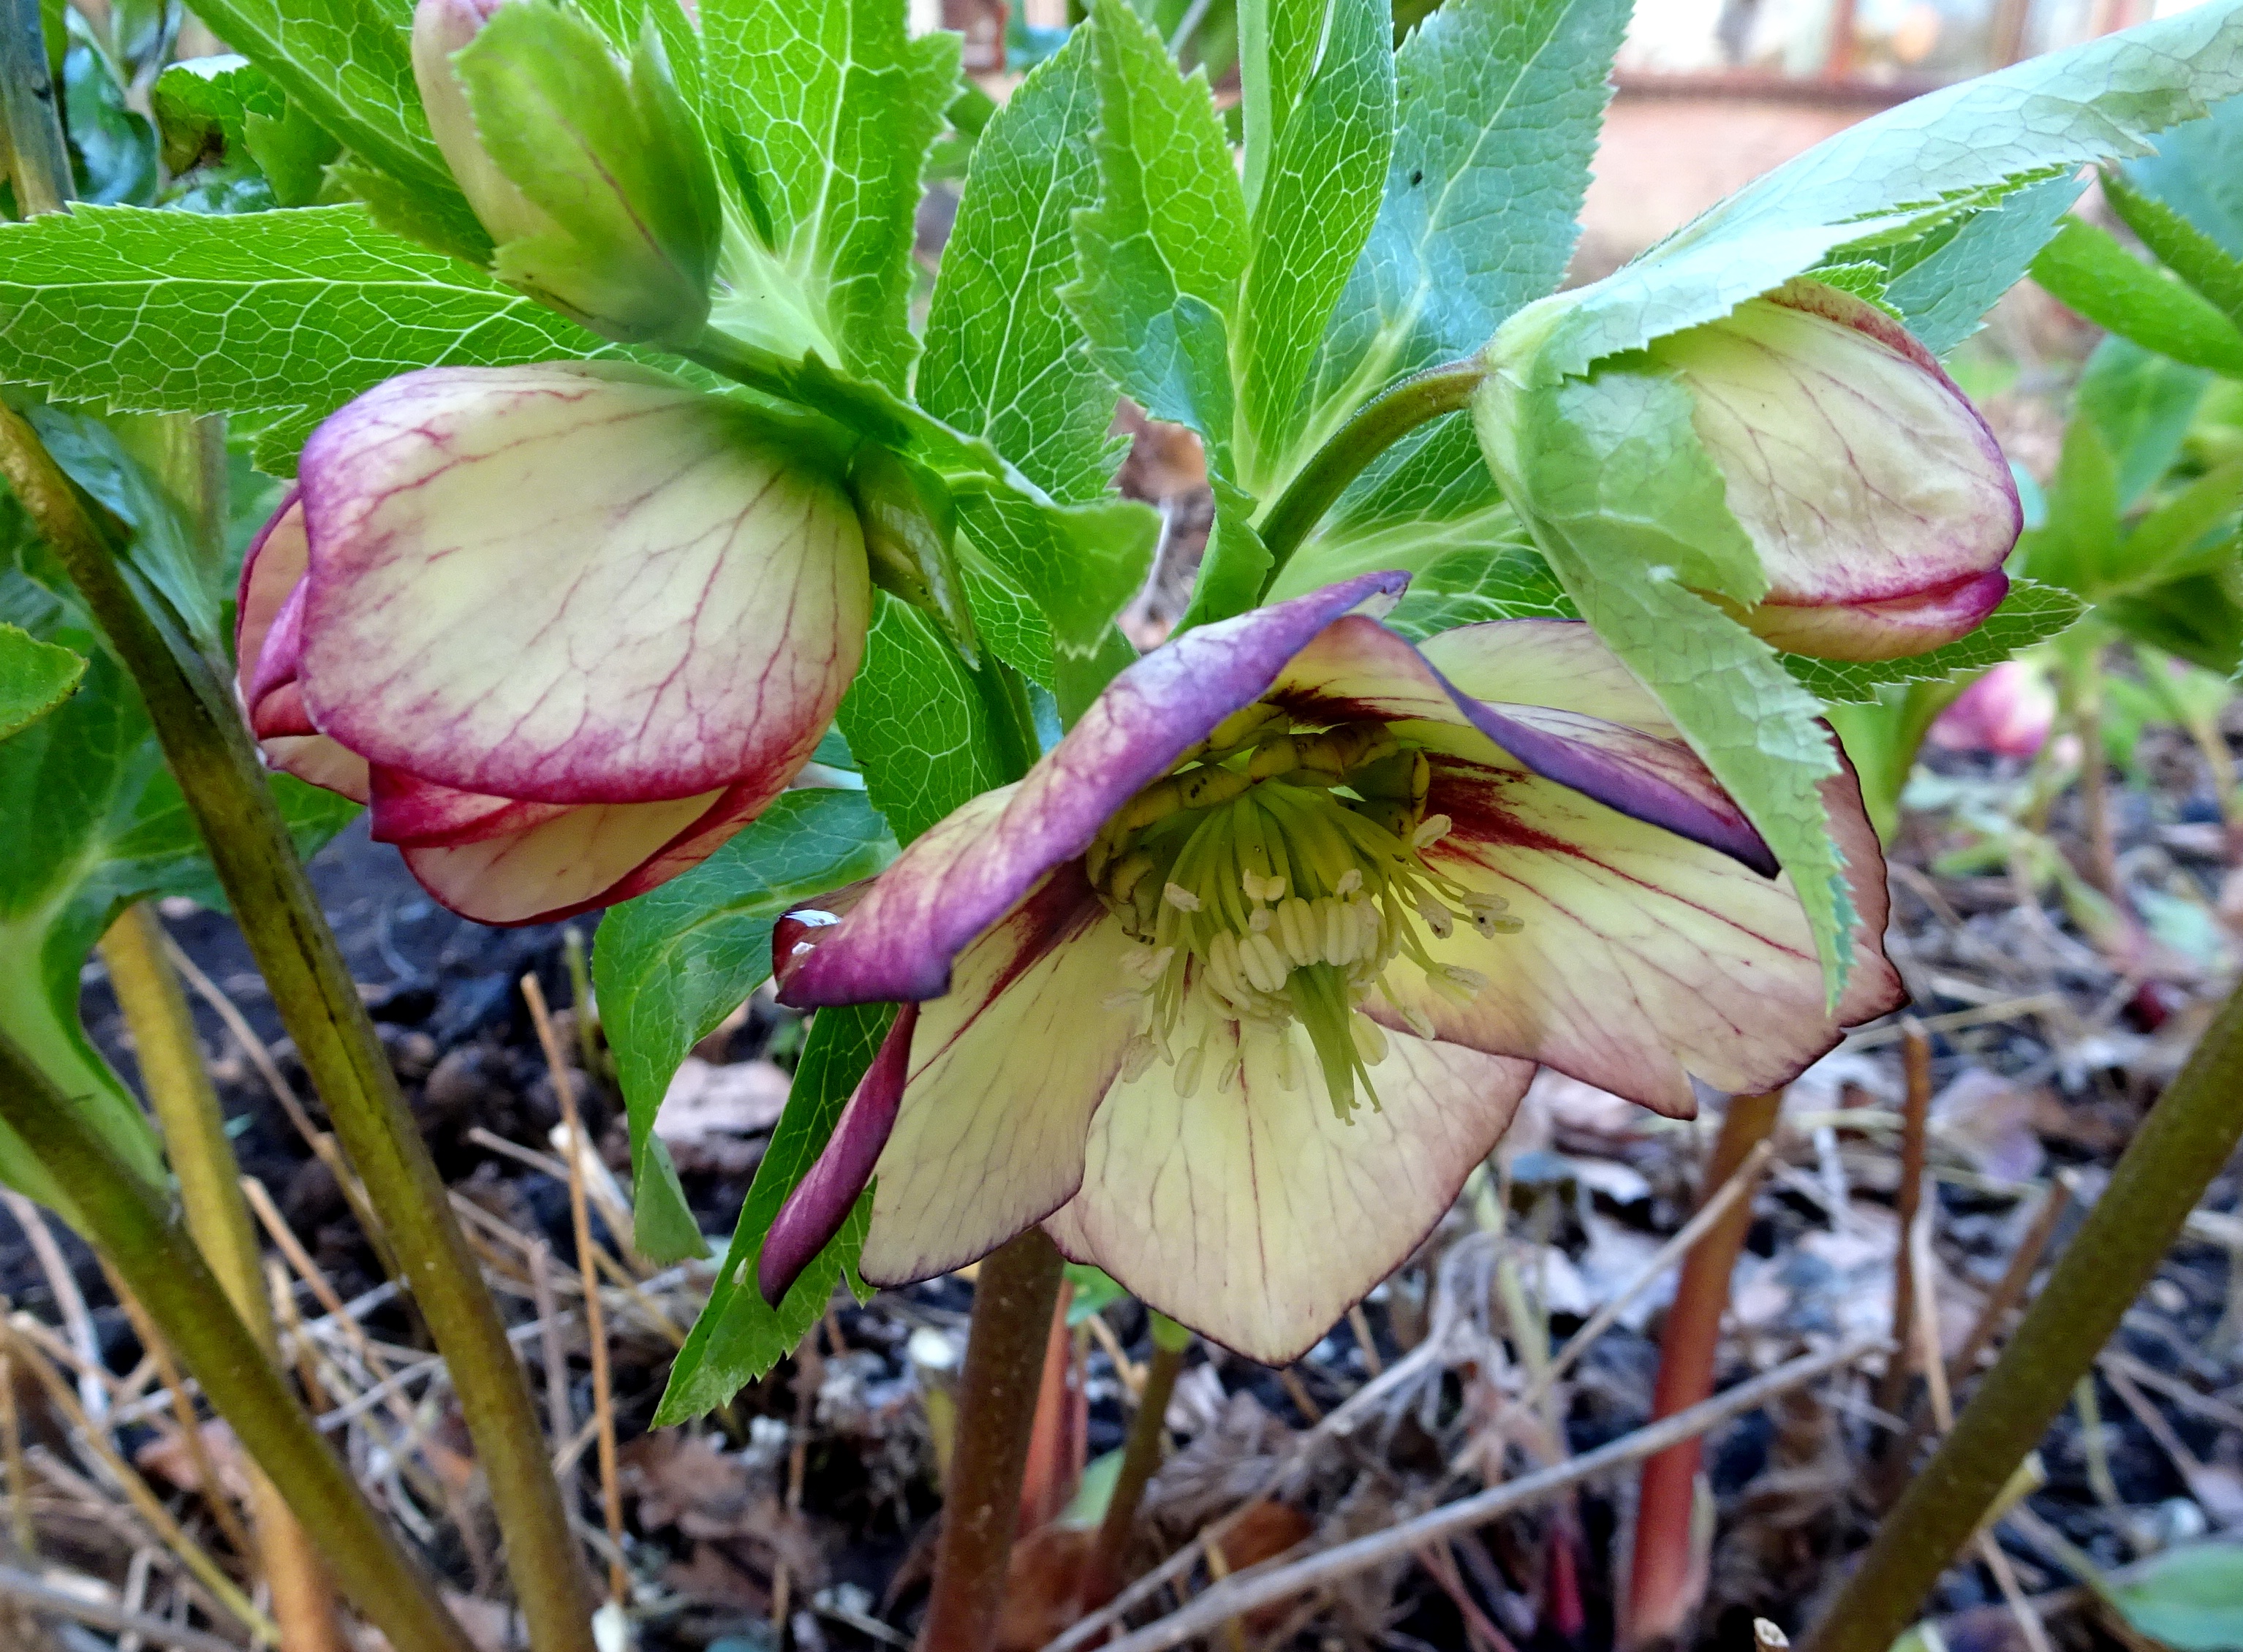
{"x": 70, "y": 1301}
{"x": 596, "y": 1322}
{"x": 24, "y": 1534}
{"x": 1916, "y": 1049}
{"x": 192, "y": 1554}
{"x": 38, "y": 1592}
{"x": 2013, "y": 1597}
{"x": 559, "y": 1414}
{"x": 1262, "y": 1585}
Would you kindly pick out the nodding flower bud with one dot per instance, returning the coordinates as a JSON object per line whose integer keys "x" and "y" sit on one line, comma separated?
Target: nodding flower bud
{"x": 588, "y": 172}
{"x": 1876, "y": 502}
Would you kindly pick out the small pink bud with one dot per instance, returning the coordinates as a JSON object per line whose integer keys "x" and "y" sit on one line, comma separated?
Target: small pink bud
{"x": 2008, "y": 713}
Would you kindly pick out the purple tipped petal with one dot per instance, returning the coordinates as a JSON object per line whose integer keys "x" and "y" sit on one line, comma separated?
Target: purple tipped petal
{"x": 959, "y": 878}
{"x": 1358, "y": 667}
{"x": 814, "y": 1212}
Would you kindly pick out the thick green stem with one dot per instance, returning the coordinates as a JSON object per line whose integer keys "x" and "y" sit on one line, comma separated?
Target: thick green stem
{"x": 1140, "y": 1457}
{"x": 165, "y": 1270}
{"x": 209, "y": 752}
{"x": 1013, "y": 1295}
{"x": 2180, "y": 1146}
{"x": 1377, "y": 425}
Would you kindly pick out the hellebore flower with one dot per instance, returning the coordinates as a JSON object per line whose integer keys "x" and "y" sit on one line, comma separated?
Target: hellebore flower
{"x": 2008, "y": 713}
{"x": 589, "y": 174}
{"x": 1877, "y": 500}
{"x": 1232, "y": 991}
{"x": 567, "y": 627}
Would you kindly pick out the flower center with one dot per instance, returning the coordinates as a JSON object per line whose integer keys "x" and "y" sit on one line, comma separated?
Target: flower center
{"x": 1273, "y": 878}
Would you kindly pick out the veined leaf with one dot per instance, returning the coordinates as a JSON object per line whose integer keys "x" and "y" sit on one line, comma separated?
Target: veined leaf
{"x": 349, "y": 65}
{"x": 2170, "y": 542}
{"x": 1944, "y": 294}
{"x": 1499, "y": 103}
{"x": 1318, "y": 78}
{"x": 2076, "y": 547}
{"x": 2031, "y": 613}
{"x": 1471, "y": 587}
{"x": 1004, "y": 358}
{"x": 915, "y": 721}
{"x": 1903, "y": 172}
{"x": 35, "y": 677}
{"x": 739, "y": 1336}
{"x": 134, "y": 310}
{"x": 676, "y": 961}
{"x": 1427, "y": 496}
{"x": 1161, "y": 253}
{"x": 834, "y": 107}
{"x": 2087, "y": 269}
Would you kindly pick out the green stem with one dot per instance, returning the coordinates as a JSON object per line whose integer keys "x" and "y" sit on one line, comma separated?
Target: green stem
{"x": 1140, "y": 1457}
{"x": 209, "y": 752}
{"x": 31, "y": 135}
{"x": 1014, "y": 1296}
{"x": 2180, "y": 1146}
{"x": 1377, "y": 425}
{"x": 162, "y": 1267}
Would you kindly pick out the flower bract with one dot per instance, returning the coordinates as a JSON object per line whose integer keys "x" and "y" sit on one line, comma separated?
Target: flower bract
{"x": 566, "y": 627}
{"x": 1234, "y": 988}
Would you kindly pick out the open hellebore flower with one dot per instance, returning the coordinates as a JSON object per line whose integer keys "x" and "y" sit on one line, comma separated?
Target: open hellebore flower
{"x": 567, "y": 627}
{"x": 1232, "y": 991}
{"x": 589, "y": 174}
{"x": 1878, "y": 502}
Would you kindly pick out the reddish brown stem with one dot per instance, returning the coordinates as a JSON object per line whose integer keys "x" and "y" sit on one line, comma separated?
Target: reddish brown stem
{"x": 1013, "y": 1300}
{"x": 1916, "y": 1051}
{"x": 1659, "y": 1586}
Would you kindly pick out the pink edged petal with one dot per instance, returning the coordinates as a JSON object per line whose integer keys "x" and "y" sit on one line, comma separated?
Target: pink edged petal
{"x": 1255, "y": 1216}
{"x": 1644, "y": 957}
{"x": 574, "y": 583}
{"x": 1889, "y": 631}
{"x": 821, "y": 1201}
{"x": 1357, "y": 668}
{"x": 956, "y": 879}
{"x": 271, "y": 569}
{"x": 322, "y": 761}
{"x": 1007, "y": 1069}
{"x": 593, "y": 855}
{"x": 408, "y": 809}
{"x": 271, "y": 676}
{"x": 1860, "y": 471}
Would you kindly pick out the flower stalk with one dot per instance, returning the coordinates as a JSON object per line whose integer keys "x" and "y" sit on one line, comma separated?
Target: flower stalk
{"x": 2180, "y": 1146}
{"x": 1014, "y": 1296}
{"x": 217, "y": 1217}
{"x": 1661, "y": 1586}
{"x": 207, "y": 748}
{"x": 1141, "y": 1458}
{"x": 1375, "y": 427}
{"x": 161, "y": 1264}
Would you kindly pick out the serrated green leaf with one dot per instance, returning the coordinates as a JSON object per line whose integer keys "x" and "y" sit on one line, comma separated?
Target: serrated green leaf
{"x": 35, "y": 677}
{"x": 2141, "y": 404}
{"x": 2076, "y": 545}
{"x": 2031, "y": 613}
{"x": 1237, "y": 563}
{"x": 674, "y": 962}
{"x": 1319, "y": 74}
{"x": 1904, "y": 171}
{"x": 1425, "y": 498}
{"x": 1162, "y": 251}
{"x": 1944, "y": 295}
{"x": 112, "y": 145}
{"x": 348, "y": 65}
{"x": 2198, "y": 618}
{"x": 133, "y": 310}
{"x": 1499, "y": 103}
{"x": 2184, "y": 249}
{"x": 832, "y": 107}
{"x": 915, "y": 720}
{"x": 739, "y": 1336}
{"x": 1006, "y": 359}
{"x": 2089, "y": 270}
{"x": 2199, "y": 172}
{"x": 2171, "y": 541}
{"x": 1474, "y": 587}
{"x": 226, "y": 123}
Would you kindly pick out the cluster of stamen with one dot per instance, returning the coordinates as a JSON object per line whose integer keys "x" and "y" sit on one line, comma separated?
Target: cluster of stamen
{"x": 1274, "y": 877}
